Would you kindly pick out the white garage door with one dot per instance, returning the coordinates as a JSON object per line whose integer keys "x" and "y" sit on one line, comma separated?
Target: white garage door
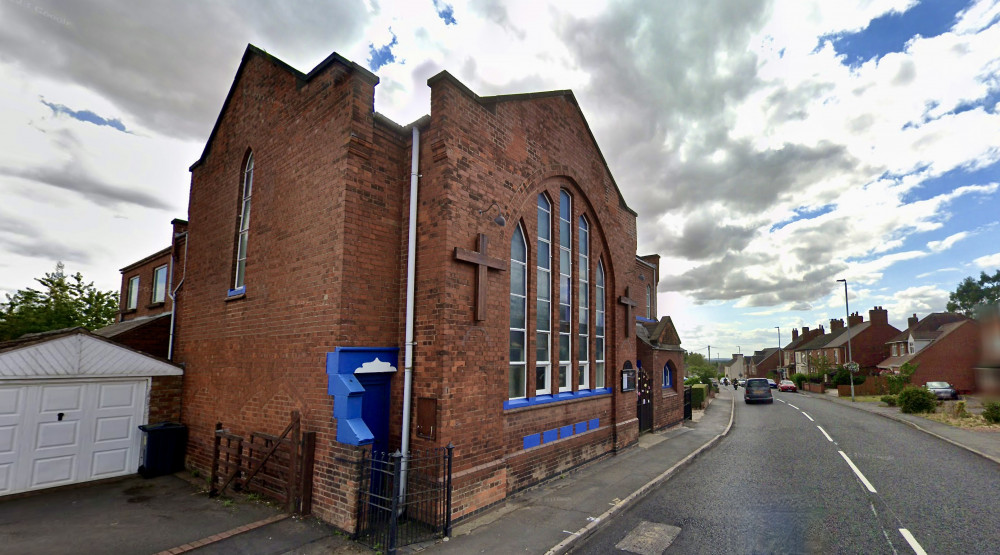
{"x": 53, "y": 434}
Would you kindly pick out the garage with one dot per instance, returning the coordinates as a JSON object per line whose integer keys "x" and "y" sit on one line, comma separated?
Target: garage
{"x": 70, "y": 406}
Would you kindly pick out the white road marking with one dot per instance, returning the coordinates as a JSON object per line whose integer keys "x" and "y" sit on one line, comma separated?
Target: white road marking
{"x": 912, "y": 541}
{"x": 793, "y": 406}
{"x": 780, "y": 401}
{"x": 809, "y": 417}
{"x": 864, "y": 480}
{"x": 826, "y": 434}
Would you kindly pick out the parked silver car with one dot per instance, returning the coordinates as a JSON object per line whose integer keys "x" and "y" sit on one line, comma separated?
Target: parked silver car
{"x": 942, "y": 390}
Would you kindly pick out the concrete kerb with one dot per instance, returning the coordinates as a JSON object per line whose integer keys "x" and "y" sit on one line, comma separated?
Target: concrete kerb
{"x": 914, "y": 425}
{"x": 594, "y": 525}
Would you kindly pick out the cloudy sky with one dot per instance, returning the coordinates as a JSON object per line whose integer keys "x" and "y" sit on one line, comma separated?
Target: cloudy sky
{"x": 769, "y": 147}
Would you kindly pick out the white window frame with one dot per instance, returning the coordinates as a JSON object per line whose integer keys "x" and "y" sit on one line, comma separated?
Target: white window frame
{"x": 599, "y": 328}
{"x": 243, "y": 232}
{"x": 583, "y": 322}
{"x": 565, "y": 291}
{"x": 518, "y": 297}
{"x": 543, "y": 299}
{"x": 133, "y": 293}
{"x": 159, "y": 288}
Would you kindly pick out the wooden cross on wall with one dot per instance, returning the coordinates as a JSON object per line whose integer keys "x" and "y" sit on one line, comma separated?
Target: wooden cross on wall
{"x": 484, "y": 262}
{"x": 629, "y": 305}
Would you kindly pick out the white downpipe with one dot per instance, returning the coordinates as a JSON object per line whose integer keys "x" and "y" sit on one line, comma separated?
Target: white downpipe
{"x": 173, "y": 295}
{"x": 411, "y": 252}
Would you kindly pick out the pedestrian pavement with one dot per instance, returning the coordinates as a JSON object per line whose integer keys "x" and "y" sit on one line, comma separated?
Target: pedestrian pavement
{"x": 173, "y": 515}
{"x": 552, "y": 516}
{"x": 985, "y": 443}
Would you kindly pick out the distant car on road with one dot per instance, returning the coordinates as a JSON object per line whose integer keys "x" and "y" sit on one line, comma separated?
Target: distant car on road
{"x": 787, "y": 385}
{"x": 743, "y": 382}
{"x": 771, "y": 383}
{"x": 942, "y": 390}
{"x": 757, "y": 389}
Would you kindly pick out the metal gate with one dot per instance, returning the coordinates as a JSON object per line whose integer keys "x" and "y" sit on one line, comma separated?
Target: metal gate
{"x": 395, "y": 511}
{"x": 687, "y": 402}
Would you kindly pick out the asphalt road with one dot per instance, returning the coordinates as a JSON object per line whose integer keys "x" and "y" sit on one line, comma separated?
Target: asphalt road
{"x": 782, "y": 482}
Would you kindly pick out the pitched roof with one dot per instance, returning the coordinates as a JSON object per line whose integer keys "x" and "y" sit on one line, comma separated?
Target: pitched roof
{"x": 928, "y": 327}
{"x": 660, "y": 335}
{"x": 856, "y": 330}
{"x": 490, "y": 102}
{"x": 76, "y": 352}
{"x": 821, "y": 341}
{"x": 122, "y": 327}
{"x": 253, "y": 51}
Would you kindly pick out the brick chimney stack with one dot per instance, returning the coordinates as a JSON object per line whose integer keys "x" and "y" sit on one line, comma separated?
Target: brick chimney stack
{"x": 836, "y": 324}
{"x": 911, "y": 321}
{"x": 795, "y": 334}
{"x": 878, "y": 315}
{"x": 855, "y": 319}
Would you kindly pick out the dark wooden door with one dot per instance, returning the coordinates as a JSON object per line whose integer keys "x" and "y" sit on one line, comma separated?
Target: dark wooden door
{"x": 644, "y": 402}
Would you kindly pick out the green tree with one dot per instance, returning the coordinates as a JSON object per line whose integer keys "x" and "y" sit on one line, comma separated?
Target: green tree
{"x": 62, "y": 302}
{"x": 971, "y": 294}
{"x": 898, "y": 381}
{"x": 695, "y": 365}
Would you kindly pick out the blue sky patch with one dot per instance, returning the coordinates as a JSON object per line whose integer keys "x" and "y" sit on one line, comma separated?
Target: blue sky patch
{"x": 951, "y": 180}
{"x": 86, "y": 115}
{"x": 890, "y": 32}
{"x": 382, "y": 55}
{"x": 445, "y": 12}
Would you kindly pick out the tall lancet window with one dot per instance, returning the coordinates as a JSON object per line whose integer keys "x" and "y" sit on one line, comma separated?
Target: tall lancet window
{"x": 244, "y": 229}
{"x": 543, "y": 301}
{"x": 599, "y": 326}
{"x": 583, "y": 329}
{"x": 565, "y": 290}
{"x": 518, "y": 314}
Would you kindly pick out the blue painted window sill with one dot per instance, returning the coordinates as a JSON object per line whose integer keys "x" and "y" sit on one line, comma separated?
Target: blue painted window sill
{"x": 558, "y": 397}
{"x": 234, "y": 294}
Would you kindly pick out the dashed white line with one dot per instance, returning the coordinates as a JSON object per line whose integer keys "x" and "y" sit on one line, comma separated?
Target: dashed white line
{"x": 826, "y": 434}
{"x": 793, "y": 406}
{"x": 912, "y": 541}
{"x": 864, "y": 480}
{"x": 809, "y": 417}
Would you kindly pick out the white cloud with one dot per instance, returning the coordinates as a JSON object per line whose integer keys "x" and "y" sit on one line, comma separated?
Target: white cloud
{"x": 988, "y": 262}
{"x": 947, "y": 242}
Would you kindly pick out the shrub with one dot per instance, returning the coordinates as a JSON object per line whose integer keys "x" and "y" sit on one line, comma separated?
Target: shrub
{"x": 916, "y": 400}
{"x": 958, "y": 410}
{"x": 991, "y": 412}
{"x": 799, "y": 379}
{"x": 698, "y": 394}
{"x": 843, "y": 377}
{"x": 889, "y": 400}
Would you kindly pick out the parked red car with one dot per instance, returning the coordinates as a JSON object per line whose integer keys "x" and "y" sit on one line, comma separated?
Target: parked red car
{"x": 787, "y": 385}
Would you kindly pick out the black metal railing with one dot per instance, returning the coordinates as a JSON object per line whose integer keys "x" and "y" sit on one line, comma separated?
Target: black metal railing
{"x": 394, "y": 510}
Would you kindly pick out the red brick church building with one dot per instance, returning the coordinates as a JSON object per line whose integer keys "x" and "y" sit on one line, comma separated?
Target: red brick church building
{"x": 479, "y": 263}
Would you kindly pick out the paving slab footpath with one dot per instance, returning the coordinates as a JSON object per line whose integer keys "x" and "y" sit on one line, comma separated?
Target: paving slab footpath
{"x": 550, "y": 517}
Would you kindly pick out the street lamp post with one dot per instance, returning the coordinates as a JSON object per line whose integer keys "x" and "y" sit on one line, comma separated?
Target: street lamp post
{"x": 780, "y": 362}
{"x": 850, "y": 357}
